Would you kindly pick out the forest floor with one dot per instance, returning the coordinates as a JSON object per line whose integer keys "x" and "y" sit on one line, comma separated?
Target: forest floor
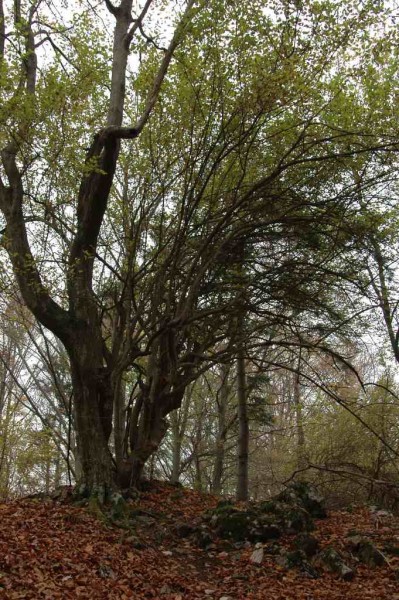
{"x": 51, "y": 549}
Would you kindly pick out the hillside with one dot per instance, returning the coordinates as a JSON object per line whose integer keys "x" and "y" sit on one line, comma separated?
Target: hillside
{"x": 54, "y": 549}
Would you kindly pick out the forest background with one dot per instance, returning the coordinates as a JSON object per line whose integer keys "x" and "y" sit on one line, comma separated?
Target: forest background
{"x": 199, "y": 246}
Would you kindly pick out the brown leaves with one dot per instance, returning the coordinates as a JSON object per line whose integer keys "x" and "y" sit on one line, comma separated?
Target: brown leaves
{"x": 58, "y": 551}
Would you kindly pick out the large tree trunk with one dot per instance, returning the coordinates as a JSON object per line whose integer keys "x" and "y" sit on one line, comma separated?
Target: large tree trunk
{"x": 93, "y": 396}
{"x": 149, "y": 434}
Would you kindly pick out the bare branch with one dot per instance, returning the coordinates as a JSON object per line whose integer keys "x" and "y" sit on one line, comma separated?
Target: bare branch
{"x": 154, "y": 92}
{"x": 137, "y": 22}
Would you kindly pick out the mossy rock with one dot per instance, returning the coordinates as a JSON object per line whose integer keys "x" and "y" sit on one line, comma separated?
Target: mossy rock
{"x": 237, "y": 526}
{"x": 224, "y": 503}
{"x": 298, "y": 519}
{"x": 331, "y": 560}
{"x": 203, "y": 538}
{"x": 370, "y": 555}
{"x": 305, "y": 495}
{"x": 269, "y": 506}
{"x": 264, "y": 533}
{"x": 295, "y": 559}
{"x": 366, "y": 552}
{"x": 307, "y": 543}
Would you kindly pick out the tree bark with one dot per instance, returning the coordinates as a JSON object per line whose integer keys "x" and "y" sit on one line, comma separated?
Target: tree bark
{"x": 119, "y": 420}
{"x": 243, "y": 427}
{"x": 218, "y": 466}
{"x": 93, "y": 414}
{"x": 301, "y": 459}
{"x": 176, "y": 448}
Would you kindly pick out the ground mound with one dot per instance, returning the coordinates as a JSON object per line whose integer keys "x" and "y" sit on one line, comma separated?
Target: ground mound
{"x": 166, "y": 547}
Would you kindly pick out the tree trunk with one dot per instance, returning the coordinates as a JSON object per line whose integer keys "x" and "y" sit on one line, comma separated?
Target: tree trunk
{"x": 119, "y": 420}
{"x": 218, "y": 466}
{"x": 301, "y": 458}
{"x": 176, "y": 447}
{"x": 243, "y": 432}
{"x": 93, "y": 414}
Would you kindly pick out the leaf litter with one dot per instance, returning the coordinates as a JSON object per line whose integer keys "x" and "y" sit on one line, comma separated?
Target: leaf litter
{"x": 53, "y": 549}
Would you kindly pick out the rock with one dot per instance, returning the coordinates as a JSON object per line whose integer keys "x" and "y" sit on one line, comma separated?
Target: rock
{"x": 273, "y": 549}
{"x": 62, "y": 493}
{"x": 203, "y": 538}
{"x": 305, "y": 495}
{"x": 290, "y": 512}
{"x": 288, "y": 515}
{"x": 119, "y": 508}
{"x": 236, "y": 525}
{"x": 366, "y": 552}
{"x": 135, "y": 542}
{"x": 184, "y": 530}
{"x": 370, "y": 555}
{"x": 307, "y": 543}
{"x": 165, "y": 589}
{"x": 106, "y": 572}
{"x": 145, "y": 520}
{"x": 267, "y": 532}
{"x": 298, "y": 519}
{"x": 167, "y": 553}
{"x": 331, "y": 560}
{"x": 256, "y": 557}
{"x": 294, "y": 559}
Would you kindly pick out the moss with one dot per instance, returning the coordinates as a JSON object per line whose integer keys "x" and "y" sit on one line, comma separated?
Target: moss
{"x": 95, "y": 508}
{"x": 268, "y": 507}
{"x": 236, "y": 526}
{"x": 299, "y": 519}
{"x": 370, "y": 555}
{"x": 295, "y": 559}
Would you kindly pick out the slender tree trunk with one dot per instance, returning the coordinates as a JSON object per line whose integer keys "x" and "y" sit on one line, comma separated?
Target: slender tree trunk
{"x": 119, "y": 419}
{"x": 301, "y": 457}
{"x": 176, "y": 447}
{"x": 218, "y": 466}
{"x": 243, "y": 427}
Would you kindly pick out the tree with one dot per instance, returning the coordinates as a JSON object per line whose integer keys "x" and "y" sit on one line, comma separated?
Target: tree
{"x": 78, "y": 325}
{"x": 133, "y": 277}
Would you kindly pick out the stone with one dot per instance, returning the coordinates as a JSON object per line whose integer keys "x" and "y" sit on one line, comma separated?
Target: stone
{"x": 331, "y": 560}
{"x": 305, "y": 495}
{"x": 366, "y": 551}
{"x": 106, "y": 572}
{"x": 307, "y": 543}
{"x": 236, "y": 526}
{"x": 370, "y": 555}
{"x": 184, "y": 530}
{"x": 256, "y": 557}
{"x": 268, "y": 532}
{"x": 135, "y": 542}
{"x": 203, "y": 539}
